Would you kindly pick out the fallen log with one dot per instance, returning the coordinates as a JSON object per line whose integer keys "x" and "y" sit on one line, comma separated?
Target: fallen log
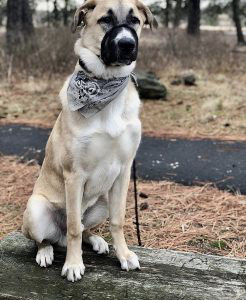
{"x": 164, "y": 275}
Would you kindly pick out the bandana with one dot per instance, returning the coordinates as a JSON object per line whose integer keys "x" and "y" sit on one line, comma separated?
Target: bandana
{"x": 90, "y": 95}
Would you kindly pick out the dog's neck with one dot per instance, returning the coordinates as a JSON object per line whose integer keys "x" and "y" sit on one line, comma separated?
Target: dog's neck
{"x": 97, "y": 68}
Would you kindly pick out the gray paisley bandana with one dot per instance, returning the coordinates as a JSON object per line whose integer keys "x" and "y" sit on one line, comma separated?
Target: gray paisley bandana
{"x": 90, "y": 95}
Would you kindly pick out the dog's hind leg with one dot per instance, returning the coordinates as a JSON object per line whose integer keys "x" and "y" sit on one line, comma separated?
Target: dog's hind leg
{"x": 39, "y": 224}
{"x": 45, "y": 254}
{"x": 94, "y": 216}
{"x": 98, "y": 244}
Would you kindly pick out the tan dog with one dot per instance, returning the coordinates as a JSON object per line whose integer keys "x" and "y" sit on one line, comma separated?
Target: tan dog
{"x": 85, "y": 175}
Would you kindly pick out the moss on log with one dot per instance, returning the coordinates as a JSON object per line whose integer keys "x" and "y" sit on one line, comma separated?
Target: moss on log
{"x": 164, "y": 275}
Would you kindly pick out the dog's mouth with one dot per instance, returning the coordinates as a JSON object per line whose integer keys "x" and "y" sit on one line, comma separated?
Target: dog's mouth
{"x": 119, "y": 46}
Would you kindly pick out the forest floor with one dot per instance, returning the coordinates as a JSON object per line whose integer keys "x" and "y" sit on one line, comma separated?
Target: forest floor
{"x": 173, "y": 216}
{"x": 214, "y": 108}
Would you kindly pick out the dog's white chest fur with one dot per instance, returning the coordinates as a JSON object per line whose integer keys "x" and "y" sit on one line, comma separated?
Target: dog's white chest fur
{"x": 107, "y": 156}
{"x": 105, "y": 143}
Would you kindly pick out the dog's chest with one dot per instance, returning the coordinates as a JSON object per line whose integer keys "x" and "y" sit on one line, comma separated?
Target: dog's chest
{"x": 103, "y": 157}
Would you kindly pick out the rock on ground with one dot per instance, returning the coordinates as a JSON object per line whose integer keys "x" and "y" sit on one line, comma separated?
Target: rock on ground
{"x": 150, "y": 87}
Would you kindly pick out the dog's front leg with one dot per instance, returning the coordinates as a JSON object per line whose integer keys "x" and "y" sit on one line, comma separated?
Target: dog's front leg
{"x": 74, "y": 267}
{"x": 117, "y": 207}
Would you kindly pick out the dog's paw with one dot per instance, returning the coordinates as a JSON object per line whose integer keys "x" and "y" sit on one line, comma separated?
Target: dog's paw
{"x": 45, "y": 256}
{"x": 98, "y": 244}
{"x": 129, "y": 262}
{"x": 73, "y": 272}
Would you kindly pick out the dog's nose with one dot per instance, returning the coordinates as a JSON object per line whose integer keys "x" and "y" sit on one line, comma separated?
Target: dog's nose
{"x": 126, "y": 45}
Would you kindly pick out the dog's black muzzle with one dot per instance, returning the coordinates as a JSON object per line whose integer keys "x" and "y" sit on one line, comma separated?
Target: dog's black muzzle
{"x": 119, "y": 46}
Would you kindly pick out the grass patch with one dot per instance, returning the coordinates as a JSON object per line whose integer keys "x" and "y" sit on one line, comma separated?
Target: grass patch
{"x": 221, "y": 245}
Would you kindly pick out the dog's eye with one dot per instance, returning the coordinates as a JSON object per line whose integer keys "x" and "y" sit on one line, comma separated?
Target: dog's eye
{"x": 135, "y": 20}
{"x": 106, "y": 20}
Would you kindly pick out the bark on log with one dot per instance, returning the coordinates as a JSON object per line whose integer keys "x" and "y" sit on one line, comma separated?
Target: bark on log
{"x": 164, "y": 275}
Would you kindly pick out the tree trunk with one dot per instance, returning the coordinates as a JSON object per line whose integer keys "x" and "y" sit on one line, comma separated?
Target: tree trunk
{"x": 194, "y": 15}
{"x": 48, "y": 12}
{"x": 65, "y": 13}
{"x": 236, "y": 18}
{"x": 55, "y": 11}
{"x": 177, "y": 13}
{"x": 27, "y": 21}
{"x": 19, "y": 23}
{"x": 166, "y": 275}
{"x": 167, "y": 13}
{"x": 2, "y": 12}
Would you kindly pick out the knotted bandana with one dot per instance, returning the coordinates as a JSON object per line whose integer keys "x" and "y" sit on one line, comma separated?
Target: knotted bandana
{"x": 89, "y": 95}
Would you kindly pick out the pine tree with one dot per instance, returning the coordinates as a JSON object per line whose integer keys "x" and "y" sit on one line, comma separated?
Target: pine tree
{"x": 237, "y": 21}
{"x": 194, "y": 15}
{"x": 177, "y": 13}
{"x": 19, "y": 23}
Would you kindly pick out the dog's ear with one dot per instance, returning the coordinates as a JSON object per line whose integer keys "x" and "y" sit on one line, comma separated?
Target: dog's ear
{"x": 150, "y": 19}
{"x": 79, "y": 17}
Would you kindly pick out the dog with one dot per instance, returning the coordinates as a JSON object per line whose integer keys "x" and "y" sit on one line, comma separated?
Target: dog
{"x": 86, "y": 171}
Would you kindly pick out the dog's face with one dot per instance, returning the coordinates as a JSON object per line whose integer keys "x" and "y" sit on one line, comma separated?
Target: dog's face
{"x": 111, "y": 28}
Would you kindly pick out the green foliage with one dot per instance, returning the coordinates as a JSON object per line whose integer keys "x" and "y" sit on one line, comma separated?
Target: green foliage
{"x": 221, "y": 245}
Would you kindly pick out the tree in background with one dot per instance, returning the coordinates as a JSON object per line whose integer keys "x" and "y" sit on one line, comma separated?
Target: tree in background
{"x": 237, "y": 21}
{"x": 158, "y": 10}
{"x": 177, "y": 13}
{"x": 19, "y": 23}
{"x": 61, "y": 13}
{"x": 68, "y": 11}
{"x": 55, "y": 12}
{"x": 2, "y": 11}
{"x": 48, "y": 12}
{"x": 65, "y": 13}
{"x": 194, "y": 16}
{"x": 167, "y": 12}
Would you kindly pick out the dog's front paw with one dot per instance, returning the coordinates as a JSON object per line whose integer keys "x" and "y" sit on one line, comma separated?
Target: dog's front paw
{"x": 45, "y": 255}
{"x": 73, "y": 272}
{"x": 129, "y": 262}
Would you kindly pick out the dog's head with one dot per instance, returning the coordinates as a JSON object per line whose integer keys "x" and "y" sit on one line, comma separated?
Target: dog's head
{"x": 111, "y": 28}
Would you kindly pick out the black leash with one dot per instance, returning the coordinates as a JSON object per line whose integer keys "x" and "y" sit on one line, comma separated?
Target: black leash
{"x": 136, "y": 201}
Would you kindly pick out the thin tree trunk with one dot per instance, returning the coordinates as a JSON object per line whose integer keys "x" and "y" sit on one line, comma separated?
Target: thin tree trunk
{"x": 19, "y": 23}
{"x": 48, "y": 12}
{"x": 236, "y": 18}
{"x": 2, "y": 13}
{"x": 65, "y": 13}
{"x": 167, "y": 13}
{"x": 194, "y": 15}
{"x": 55, "y": 11}
{"x": 13, "y": 24}
{"x": 177, "y": 13}
{"x": 27, "y": 21}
